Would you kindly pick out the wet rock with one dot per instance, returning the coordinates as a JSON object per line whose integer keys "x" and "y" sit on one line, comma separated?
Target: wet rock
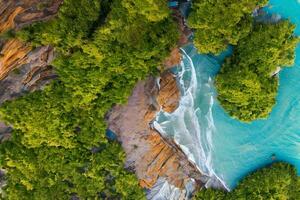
{"x": 147, "y": 152}
{"x": 185, "y": 33}
{"x": 184, "y": 30}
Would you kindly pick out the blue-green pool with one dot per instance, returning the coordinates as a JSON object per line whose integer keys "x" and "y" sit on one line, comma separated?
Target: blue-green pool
{"x": 223, "y": 148}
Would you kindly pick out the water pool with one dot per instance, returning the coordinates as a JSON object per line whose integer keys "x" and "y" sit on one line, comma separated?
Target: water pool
{"x": 223, "y": 148}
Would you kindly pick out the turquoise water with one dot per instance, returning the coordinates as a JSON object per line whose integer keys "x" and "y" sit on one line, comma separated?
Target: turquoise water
{"x": 223, "y": 148}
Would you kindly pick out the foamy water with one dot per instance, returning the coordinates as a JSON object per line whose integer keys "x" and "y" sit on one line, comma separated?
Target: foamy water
{"x": 224, "y": 149}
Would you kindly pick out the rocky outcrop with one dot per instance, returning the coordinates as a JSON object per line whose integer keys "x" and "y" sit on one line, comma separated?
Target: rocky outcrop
{"x": 13, "y": 55}
{"x": 148, "y": 154}
{"x": 174, "y": 59}
{"x": 169, "y": 94}
{"x": 22, "y": 68}
{"x": 17, "y": 13}
{"x": 185, "y": 31}
{"x": 151, "y": 156}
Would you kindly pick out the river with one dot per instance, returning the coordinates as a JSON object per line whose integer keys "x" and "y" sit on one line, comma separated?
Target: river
{"x": 223, "y": 148}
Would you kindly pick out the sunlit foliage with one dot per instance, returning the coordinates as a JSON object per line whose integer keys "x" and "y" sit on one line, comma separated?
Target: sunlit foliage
{"x": 246, "y": 84}
{"x": 219, "y": 23}
{"x": 280, "y": 181}
{"x": 59, "y": 149}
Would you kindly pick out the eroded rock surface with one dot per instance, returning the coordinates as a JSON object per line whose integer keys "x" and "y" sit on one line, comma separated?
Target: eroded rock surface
{"x": 22, "y": 68}
{"x": 17, "y": 13}
{"x": 151, "y": 156}
{"x": 169, "y": 94}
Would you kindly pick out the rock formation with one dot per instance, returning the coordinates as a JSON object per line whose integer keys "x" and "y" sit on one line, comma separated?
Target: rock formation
{"x": 5, "y": 132}
{"x": 185, "y": 33}
{"x": 22, "y": 68}
{"x": 17, "y": 13}
{"x": 148, "y": 154}
{"x": 152, "y": 157}
{"x": 168, "y": 95}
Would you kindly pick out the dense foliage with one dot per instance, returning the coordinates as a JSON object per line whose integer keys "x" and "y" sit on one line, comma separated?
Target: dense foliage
{"x": 246, "y": 85}
{"x": 221, "y": 22}
{"x": 59, "y": 148}
{"x": 280, "y": 181}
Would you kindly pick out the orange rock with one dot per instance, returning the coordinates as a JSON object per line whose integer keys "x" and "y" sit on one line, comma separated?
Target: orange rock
{"x": 147, "y": 152}
{"x": 17, "y": 13}
{"x": 174, "y": 58}
{"x": 13, "y": 55}
{"x": 169, "y": 94}
{"x": 9, "y": 22}
{"x": 32, "y": 68}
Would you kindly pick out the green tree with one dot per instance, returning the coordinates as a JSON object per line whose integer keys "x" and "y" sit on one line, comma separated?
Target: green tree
{"x": 58, "y": 148}
{"x": 219, "y": 23}
{"x": 246, "y": 85}
{"x": 279, "y": 181}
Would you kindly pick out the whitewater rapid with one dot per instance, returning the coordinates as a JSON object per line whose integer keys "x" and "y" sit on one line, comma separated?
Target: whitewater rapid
{"x": 190, "y": 126}
{"x": 224, "y": 149}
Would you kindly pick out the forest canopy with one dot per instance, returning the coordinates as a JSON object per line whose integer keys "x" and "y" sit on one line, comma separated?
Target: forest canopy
{"x": 58, "y": 149}
{"x": 279, "y": 181}
{"x": 218, "y": 23}
{"x": 247, "y": 83}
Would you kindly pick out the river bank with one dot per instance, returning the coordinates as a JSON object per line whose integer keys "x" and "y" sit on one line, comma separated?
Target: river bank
{"x": 226, "y": 147}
